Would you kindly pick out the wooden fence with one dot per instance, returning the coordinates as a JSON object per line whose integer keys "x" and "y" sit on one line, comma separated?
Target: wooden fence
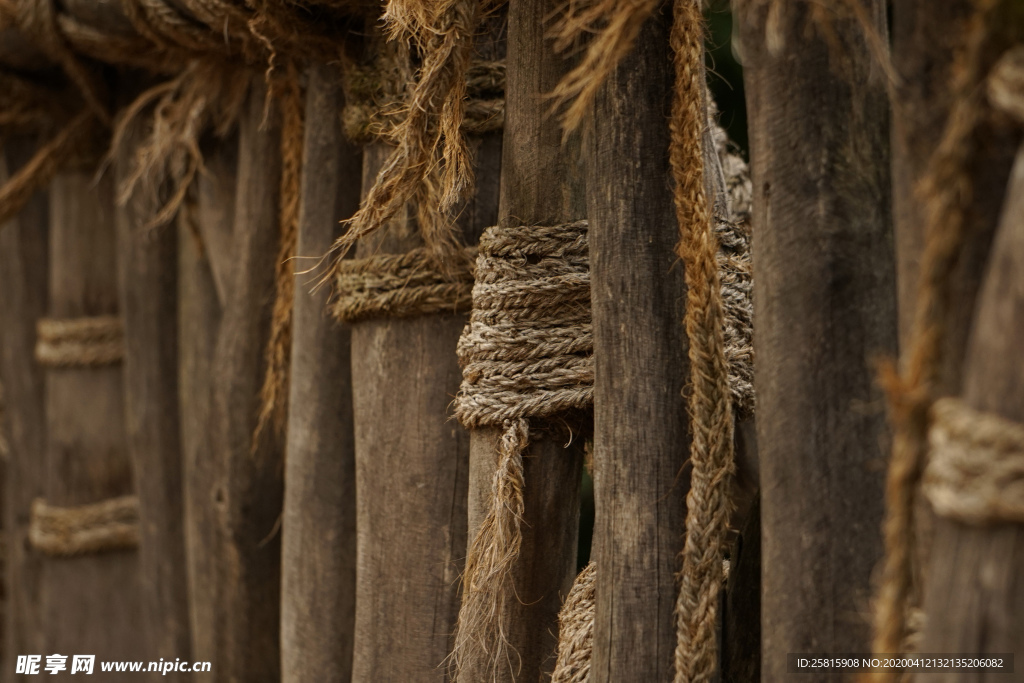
{"x": 318, "y": 321}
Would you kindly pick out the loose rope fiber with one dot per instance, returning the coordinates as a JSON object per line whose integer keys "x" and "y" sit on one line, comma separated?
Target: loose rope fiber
{"x": 99, "y": 527}
{"x": 975, "y": 471}
{"x": 402, "y": 286}
{"x": 374, "y": 104}
{"x": 79, "y": 342}
{"x": 525, "y": 356}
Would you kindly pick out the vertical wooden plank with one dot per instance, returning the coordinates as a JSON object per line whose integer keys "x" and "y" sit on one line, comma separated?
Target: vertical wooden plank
{"x": 825, "y": 306}
{"x": 148, "y": 273}
{"x": 248, "y": 495}
{"x": 202, "y": 227}
{"x": 411, "y": 464}
{"x": 24, "y": 281}
{"x": 974, "y": 590}
{"x": 91, "y": 603}
{"x": 641, "y": 440}
{"x": 925, "y": 45}
{"x": 319, "y": 525}
{"x": 540, "y": 185}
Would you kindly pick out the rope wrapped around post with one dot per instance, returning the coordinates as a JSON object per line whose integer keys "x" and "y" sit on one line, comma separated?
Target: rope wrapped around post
{"x": 975, "y": 471}
{"x": 99, "y": 527}
{"x": 79, "y": 342}
{"x": 526, "y": 358}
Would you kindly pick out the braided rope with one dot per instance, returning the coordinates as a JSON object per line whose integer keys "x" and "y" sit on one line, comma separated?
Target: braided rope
{"x": 576, "y": 629}
{"x": 99, "y": 527}
{"x": 79, "y": 342}
{"x": 975, "y": 471}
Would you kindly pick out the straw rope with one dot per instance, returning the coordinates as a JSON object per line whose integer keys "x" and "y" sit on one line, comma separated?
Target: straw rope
{"x": 79, "y": 342}
{"x": 402, "y": 286}
{"x": 576, "y": 630}
{"x": 374, "y": 103}
{"x": 525, "y": 355}
{"x": 99, "y": 527}
{"x": 975, "y": 471}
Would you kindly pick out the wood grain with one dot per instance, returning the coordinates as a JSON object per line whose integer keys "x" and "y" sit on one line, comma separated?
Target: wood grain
{"x": 541, "y": 184}
{"x": 319, "y": 525}
{"x": 148, "y": 281}
{"x": 825, "y": 306}
{"x": 974, "y": 591}
{"x": 249, "y": 495}
{"x": 91, "y": 604}
{"x": 24, "y": 281}
{"x": 641, "y": 439}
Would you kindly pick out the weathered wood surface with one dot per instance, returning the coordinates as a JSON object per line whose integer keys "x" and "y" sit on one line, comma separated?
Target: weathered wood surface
{"x": 248, "y": 494}
{"x": 91, "y": 604}
{"x": 925, "y": 45}
{"x": 148, "y": 274}
{"x": 540, "y": 185}
{"x": 24, "y": 281}
{"x": 204, "y": 224}
{"x": 975, "y": 583}
{"x": 641, "y": 440}
{"x": 825, "y": 306}
{"x": 319, "y": 525}
{"x": 411, "y": 464}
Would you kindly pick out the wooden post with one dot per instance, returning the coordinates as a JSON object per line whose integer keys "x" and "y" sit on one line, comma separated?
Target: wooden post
{"x": 204, "y": 230}
{"x": 24, "y": 280}
{"x": 411, "y": 465}
{"x": 974, "y": 592}
{"x": 91, "y": 603}
{"x": 148, "y": 265}
{"x": 248, "y": 496}
{"x": 540, "y": 185}
{"x": 925, "y": 44}
{"x": 319, "y": 525}
{"x": 641, "y": 440}
{"x": 825, "y": 306}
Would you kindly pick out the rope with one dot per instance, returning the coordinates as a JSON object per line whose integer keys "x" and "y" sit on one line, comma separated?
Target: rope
{"x": 274, "y": 393}
{"x": 100, "y": 527}
{"x": 429, "y": 137}
{"x": 711, "y": 418}
{"x": 402, "y": 286}
{"x": 975, "y": 471}
{"x": 576, "y": 630}
{"x": 525, "y": 355}
{"x": 374, "y": 109}
{"x": 79, "y": 342}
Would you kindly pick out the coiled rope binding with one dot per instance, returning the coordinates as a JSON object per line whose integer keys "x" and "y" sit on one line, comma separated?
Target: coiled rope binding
{"x": 79, "y": 342}
{"x": 526, "y": 355}
{"x": 402, "y": 286}
{"x": 99, "y": 527}
{"x": 975, "y": 470}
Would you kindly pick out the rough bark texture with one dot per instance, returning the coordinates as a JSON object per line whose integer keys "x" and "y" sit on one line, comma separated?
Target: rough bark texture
{"x": 91, "y": 604}
{"x": 825, "y": 306}
{"x": 411, "y": 465}
{"x": 540, "y": 185}
{"x": 206, "y": 222}
{"x": 641, "y": 441}
{"x": 318, "y": 532}
{"x": 24, "y": 281}
{"x": 148, "y": 268}
{"x": 249, "y": 494}
{"x": 974, "y": 591}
